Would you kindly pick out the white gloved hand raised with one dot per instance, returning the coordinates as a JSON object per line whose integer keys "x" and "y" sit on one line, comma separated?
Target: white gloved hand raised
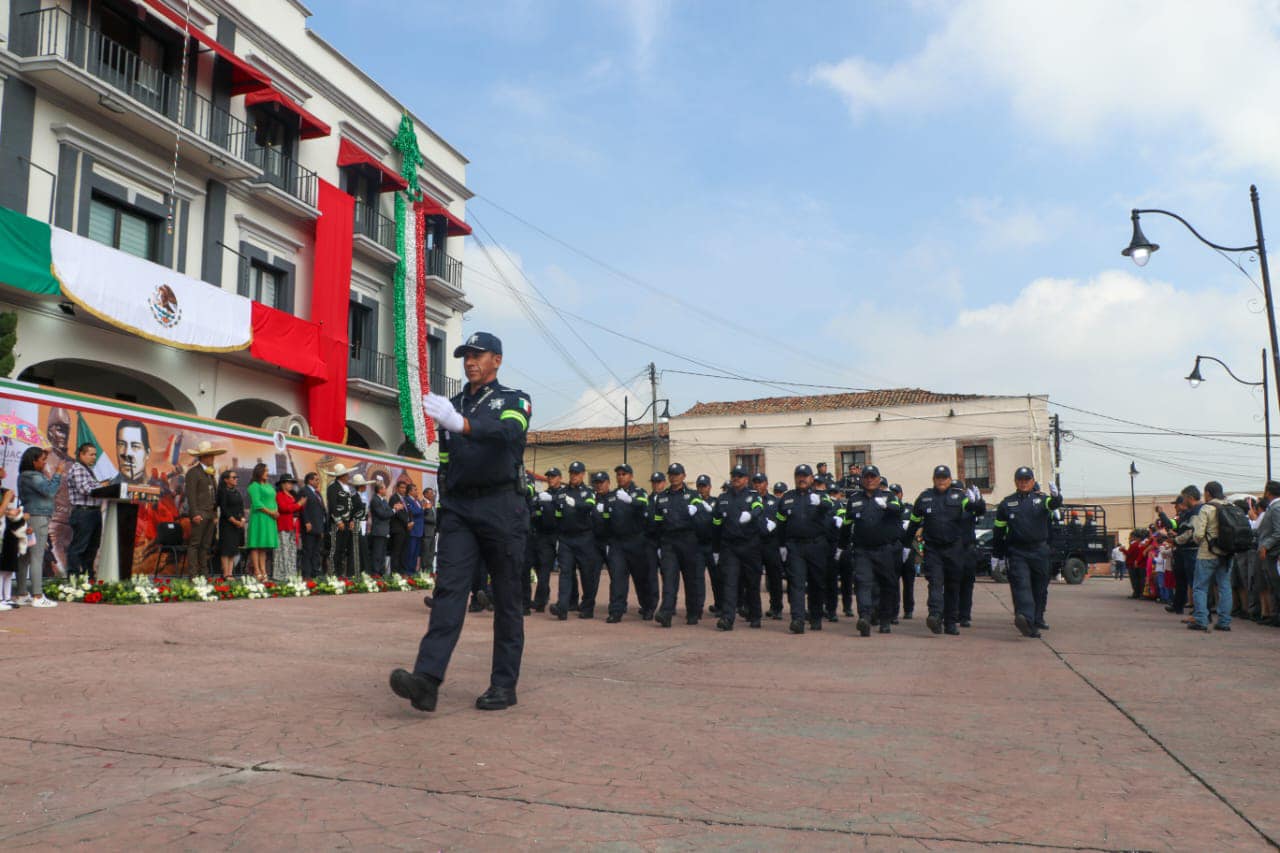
{"x": 771, "y": 525}
{"x": 715, "y": 558}
{"x": 1053, "y": 490}
{"x": 600, "y": 508}
{"x": 839, "y": 553}
{"x": 624, "y": 496}
{"x": 996, "y": 563}
{"x": 906, "y": 552}
{"x": 814, "y": 499}
{"x": 440, "y": 410}
{"x": 545, "y": 497}
{"x": 744, "y": 517}
{"x": 974, "y": 494}
{"x": 569, "y": 501}
{"x": 839, "y": 522}
{"x": 693, "y": 510}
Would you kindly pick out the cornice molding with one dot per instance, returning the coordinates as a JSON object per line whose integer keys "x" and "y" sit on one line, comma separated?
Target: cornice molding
{"x": 124, "y": 162}
{"x": 266, "y": 238}
{"x": 361, "y": 137}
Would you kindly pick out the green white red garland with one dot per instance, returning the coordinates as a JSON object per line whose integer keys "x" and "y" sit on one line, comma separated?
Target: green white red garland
{"x": 409, "y": 295}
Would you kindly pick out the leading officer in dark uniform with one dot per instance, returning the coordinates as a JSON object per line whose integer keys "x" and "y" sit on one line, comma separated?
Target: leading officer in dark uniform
{"x": 483, "y": 521}
{"x": 945, "y": 512}
{"x": 1020, "y": 538}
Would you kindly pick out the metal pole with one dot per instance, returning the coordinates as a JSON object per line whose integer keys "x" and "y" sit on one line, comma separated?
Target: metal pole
{"x": 1266, "y": 412}
{"x": 1133, "y": 500}
{"x": 653, "y": 391}
{"x": 1266, "y": 290}
{"x": 625, "y": 421}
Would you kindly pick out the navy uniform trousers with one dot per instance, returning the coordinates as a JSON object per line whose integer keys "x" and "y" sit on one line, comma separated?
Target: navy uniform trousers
{"x": 681, "y": 557}
{"x": 477, "y": 534}
{"x": 944, "y": 568}
{"x": 1029, "y": 581}
{"x": 544, "y": 547}
{"x": 772, "y": 559}
{"x": 628, "y": 561}
{"x": 740, "y": 561}
{"x": 806, "y": 569}
{"x": 580, "y": 550}
{"x": 875, "y": 573}
{"x": 970, "y": 562}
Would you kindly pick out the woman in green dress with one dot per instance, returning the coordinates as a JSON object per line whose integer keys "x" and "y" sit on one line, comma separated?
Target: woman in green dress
{"x": 263, "y": 534}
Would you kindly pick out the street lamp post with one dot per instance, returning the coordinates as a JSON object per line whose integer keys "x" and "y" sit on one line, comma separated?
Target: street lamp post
{"x": 1140, "y": 250}
{"x": 1133, "y": 499}
{"x": 1195, "y": 379}
{"x": 627, "y": 420}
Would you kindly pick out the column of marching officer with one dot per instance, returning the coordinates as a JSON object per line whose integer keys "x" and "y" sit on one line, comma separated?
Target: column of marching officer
{"x": 816, "y": 545}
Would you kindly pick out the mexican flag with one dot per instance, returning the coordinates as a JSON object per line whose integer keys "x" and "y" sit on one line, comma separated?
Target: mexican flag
{"x": 149, "y": 300}
{"x": 103, "y": 469}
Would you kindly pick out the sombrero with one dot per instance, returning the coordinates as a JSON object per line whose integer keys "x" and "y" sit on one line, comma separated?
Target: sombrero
{"x": 205, "y": 448}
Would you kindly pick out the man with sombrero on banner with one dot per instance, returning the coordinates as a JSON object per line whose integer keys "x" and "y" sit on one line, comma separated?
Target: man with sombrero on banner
{"x": 201, "y": 493}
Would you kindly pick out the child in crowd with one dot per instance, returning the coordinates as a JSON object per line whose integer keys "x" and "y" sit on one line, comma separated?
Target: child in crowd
{"x": 13, "y": 543}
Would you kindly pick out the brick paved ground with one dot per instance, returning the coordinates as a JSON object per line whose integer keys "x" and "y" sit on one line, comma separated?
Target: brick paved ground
{"x": 268, "y": 724}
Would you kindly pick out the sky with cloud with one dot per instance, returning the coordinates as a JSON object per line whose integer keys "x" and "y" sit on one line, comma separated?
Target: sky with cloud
{"x": 862, "y": 195}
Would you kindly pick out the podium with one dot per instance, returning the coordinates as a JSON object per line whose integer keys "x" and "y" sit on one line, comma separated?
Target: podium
{"x": 120, "y": 526}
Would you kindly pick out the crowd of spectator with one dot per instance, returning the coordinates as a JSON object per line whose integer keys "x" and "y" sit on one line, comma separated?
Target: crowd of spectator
{"x": 1215, "y": 554}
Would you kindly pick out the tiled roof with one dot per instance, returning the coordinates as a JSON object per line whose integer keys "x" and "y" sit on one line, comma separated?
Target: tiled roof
{"x": 639, "y": 432}
{"x": 882, "y": 399}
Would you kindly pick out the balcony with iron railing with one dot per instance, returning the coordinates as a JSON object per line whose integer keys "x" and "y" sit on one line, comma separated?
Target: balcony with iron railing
{"x": 371, "y": 223}
{"x": 380, "y": 369}
{"x": 445, "y": 268}
{"x": 54, "y": 34}
{"x": 283, "y": 172}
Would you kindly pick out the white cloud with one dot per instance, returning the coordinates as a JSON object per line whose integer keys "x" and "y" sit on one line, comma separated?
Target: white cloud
{"x": 645, "y": 19}
{"x": 1003, "y": 228}
{"x": 482, "y": 284}
{"x": 1073, "y": 70}
{"x": 1118, "y": 344}
{"x": 592, "y": 410}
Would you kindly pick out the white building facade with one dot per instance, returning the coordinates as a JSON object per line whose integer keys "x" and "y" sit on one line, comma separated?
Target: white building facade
{"x": 904, "y": 432}
{"x": 271, "y": 120}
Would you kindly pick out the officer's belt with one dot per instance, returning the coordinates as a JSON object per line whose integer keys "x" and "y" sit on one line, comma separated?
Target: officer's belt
{"x": 482, "y": 491}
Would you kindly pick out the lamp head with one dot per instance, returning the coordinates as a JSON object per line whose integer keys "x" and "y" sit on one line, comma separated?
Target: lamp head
{"x": 1194, "y": 379}
{"x": 1133, "y": 470}
{"x": 1139, "y": 248}
{"x": 666, "y": 412}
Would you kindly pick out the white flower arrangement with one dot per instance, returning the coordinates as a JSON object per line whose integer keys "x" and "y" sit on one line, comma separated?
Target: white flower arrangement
{"x": 335, "y": 584}
{"x": 74, "y": 588}
{"x": 295, "y": 586}
{"x": 396, "y": 582}
{"x": 424, "y": 580}
{"x": 147, "y": 592}
{"x": 254, "y": 588}
{"x": 204, "y": 589}
{"x": 367, "y": 581}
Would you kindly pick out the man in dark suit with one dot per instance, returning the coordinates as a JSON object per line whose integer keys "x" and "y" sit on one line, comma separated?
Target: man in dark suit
{"x": 380, "y": 515}
{"x": 311, "y": 526}
{"x": 427, "y": 560}
{"x": 341, "y": 502}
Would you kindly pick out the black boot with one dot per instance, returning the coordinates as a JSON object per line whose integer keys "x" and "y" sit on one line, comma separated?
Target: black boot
{"x": 421, "y": 690}
{"x": 797, "y": 626}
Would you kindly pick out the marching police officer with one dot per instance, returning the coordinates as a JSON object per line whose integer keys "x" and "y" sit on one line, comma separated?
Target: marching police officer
{"x": 626, "y": 513}
{"x": 875, "y": 516}
{"x": 703, "y": 527}
{"x": 770, "y": 557}
{"x": 576, "y": 523}
{"x": 653, "y": 535}
{"x": 823, "y": 480}
{"x": 970, "y": 559}
{"x": 907, "y": 567}
{"x": 672, "y": 513}
{"x": 839, "y": 577}
{"x": 944, "y": 512}
{"x": 1020, "y": 538}
{"x": 482, "y": 521}
{"x": 738, "y": 521}
{"x": 853, "y": 479}
{"x": 803, "y": 518}
{"x": 545, "y": 535}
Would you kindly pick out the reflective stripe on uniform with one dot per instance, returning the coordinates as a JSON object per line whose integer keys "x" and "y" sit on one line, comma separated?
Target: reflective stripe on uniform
{"x": 916, "y": 518}
{"x": 512, "y": 414}
{"x": 1001, "y": 523}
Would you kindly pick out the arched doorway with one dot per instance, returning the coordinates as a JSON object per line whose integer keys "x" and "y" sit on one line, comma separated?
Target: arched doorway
{"x": 360, "y": 435}
{"x": 108, "y": 380}
{"x": 250, "y": 411}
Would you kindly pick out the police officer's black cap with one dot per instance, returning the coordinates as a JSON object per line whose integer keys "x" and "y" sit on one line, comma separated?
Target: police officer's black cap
{"x": 803, "y": 470}
{"x": 822, "y": 465}
{"x": 576, "y": 467}
{"x": 552, "y": 472}
{"x": 1024, "y": 473}
{"x": 759, "y": 477}
{"x": 600, "y": 477}
{"x": 870, "y": 471}
{"x": 703, "y": 480}
{"x": 941, "y": 471}
{"x": 896, "y": 488}
{"x": 657, "y": 477}
{"x": 958, "y": 484}
{"x": 624, "y": 468}
{"x": 739, "y": 471}
{"x": 479, "y": 342}
{"x": 675, "y": 468}
{"x": 779, "y": 487}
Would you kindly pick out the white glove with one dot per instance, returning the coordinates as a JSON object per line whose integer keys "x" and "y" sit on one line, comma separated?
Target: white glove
{"x": 771, "y": 525}
{"x": 783, "y": 553}
{"x": 973, "y": 494}
{"x": 1053, "y": 490}
{"x": 440, "y": 410}
{"x": 744, "y": 517}
{"x": 882, "y": 502}
{"x": 906, "y": 552}
{"x": 996, "y": 563}
{"x": 814, "y": 499}
{"x": 624, "y": 496}
{"x": 569, "y": 501}
{"x": 839, "y": 553}
{"x": 715, "y": 559}
{"x": 600, "y": 508}
{"x": 545, "y": 497}
{"x": 693, "y": 510}
{"x": 839, "y": 522}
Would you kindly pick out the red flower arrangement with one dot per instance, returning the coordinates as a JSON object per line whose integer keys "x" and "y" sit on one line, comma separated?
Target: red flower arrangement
{"x": 93, "y": 597}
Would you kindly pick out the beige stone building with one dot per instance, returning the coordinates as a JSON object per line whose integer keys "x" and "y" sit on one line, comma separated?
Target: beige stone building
{"x": 905, "y": 432}
{"x": 599, "y": 448}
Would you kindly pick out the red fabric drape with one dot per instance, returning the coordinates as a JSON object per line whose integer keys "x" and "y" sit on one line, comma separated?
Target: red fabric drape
{"x": 287, "y": 341}
{"x": 330, "y": 295}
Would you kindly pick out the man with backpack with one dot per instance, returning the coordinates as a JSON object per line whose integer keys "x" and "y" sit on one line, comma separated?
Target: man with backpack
{"x": 1221, "y": 530}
